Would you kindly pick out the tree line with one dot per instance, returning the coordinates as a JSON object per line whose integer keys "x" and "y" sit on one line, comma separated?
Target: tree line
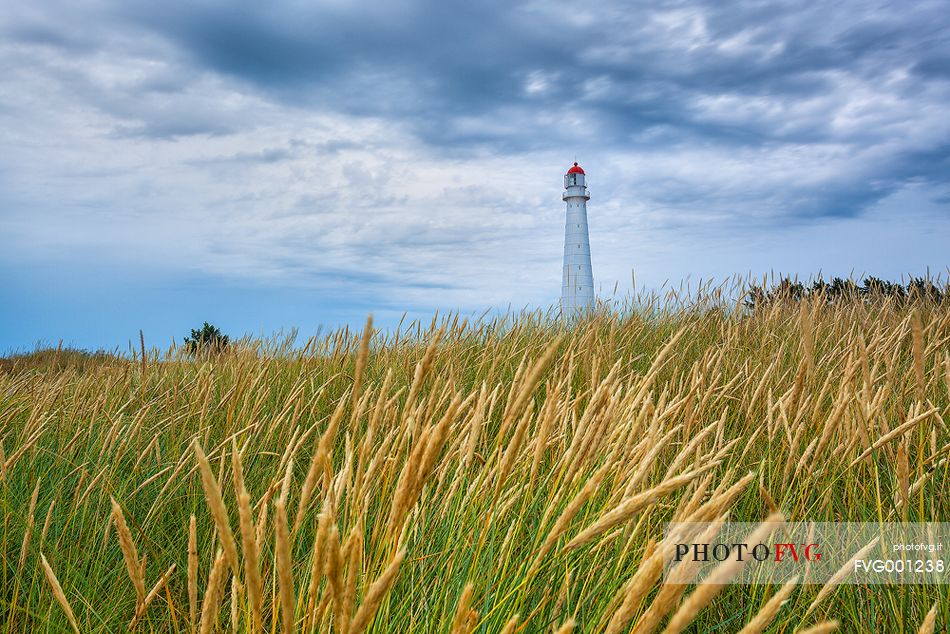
{"x": 837, "y": 290}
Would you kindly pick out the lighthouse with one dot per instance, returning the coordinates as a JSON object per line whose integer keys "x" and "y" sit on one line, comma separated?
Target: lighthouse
{"x": 577, "y": 281}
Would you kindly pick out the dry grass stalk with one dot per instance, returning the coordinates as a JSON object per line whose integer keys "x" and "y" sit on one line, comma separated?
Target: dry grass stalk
{"x": 628, "y": 507}
{"x": 354, "y": 549}
{"x": 289, "y": 451}
{"x": 511, "y": 625}
{"x": 840, "y": 575}
{"x": 713, "y": 584}
{"x": 693, "y": 444}
{"x": 768, "y": 499}
{"x": 285, "y": 575}
{"x": 465, "y": 616}
{"x": 563, "y": 592}
{"x": 567, "y": 627}
{"x": 831, "y": 425}
{"x": 808, "y": 338}
{"x": 58, "y": 593}
{"x": 144, "y": 361}
{"x": 476, "y": 426}
{"x": 193, "y": 572}
{"x": 317, "y": 465}
{"x": 418, "y": 467}
{"x": 436, "y": 441}
{"x": 334, "y": 572}
{"x": 16, "y": 455}
{"x": 46, "y": 523}
{"x": 927, "y": 626}
{"x": 317, "y": 557}
{"x": 917, "y": 344}
{"x": 571, "y": 510}
{"x": 130, "y": 554}
{"x": 361, "y": 358}
{"x": 30, "y": 521}
{"x": 903, "y": 479}
{"x": 674, "y": 585}
{"x": 767, "y": 612}
{"x": 375, "y": 594}
{"x": 529, "y": 383}
{"x": 236, "y": 599}
{"x": 369, "y": 437}
{"x": 218, "y": 510}
{"x": 286, "y": 481}
{"x": 261, "y": 527}
{"x": 513, "y": 450}
{"x": 249, "y": 546}
{"x": 343, "y": 478}
{"x": 213, "y": 593}
{"x": 894, "y": 433}
{"x": 90, "y": 487}
{"x": 645, "y": 462}
{"x": 319, "y": 616}
{"x": 150, "y": 480}
{"x": 422, "y": 368}
{"x": 825, "y": 627}
{"x": 630, "y": 597}
{"x": 140, "y": 611}
{"x": 549, "y": 415}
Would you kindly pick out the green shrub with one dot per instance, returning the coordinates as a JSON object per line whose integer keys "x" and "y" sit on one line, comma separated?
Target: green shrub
{"x": 208, "y": 338}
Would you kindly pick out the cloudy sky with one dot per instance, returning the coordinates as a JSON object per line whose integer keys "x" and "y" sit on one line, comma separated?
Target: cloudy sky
{"x": 298, "y": 164}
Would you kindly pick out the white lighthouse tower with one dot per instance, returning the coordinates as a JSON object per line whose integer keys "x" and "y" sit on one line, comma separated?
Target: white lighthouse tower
{"x": 577, "y": 282}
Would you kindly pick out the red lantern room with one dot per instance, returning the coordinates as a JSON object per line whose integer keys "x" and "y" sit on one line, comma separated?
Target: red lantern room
{"x": 574, "y": 177}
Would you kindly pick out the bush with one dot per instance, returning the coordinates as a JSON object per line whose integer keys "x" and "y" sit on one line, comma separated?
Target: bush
{"x": 208, "y": 338}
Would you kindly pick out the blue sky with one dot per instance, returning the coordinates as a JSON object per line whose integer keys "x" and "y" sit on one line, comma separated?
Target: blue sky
{"x": 290, "y": 164}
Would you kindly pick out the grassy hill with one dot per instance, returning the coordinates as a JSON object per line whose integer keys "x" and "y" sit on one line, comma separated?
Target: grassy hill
{"x": 508, "y": 475}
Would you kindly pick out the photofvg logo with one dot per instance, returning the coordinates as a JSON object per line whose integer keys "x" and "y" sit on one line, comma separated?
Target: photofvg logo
{"x": 814, "y": 552}
{"x": 761, "y": 552}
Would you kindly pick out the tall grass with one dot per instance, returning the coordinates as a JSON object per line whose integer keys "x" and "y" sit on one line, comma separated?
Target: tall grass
{"x": 509, "y": 475}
